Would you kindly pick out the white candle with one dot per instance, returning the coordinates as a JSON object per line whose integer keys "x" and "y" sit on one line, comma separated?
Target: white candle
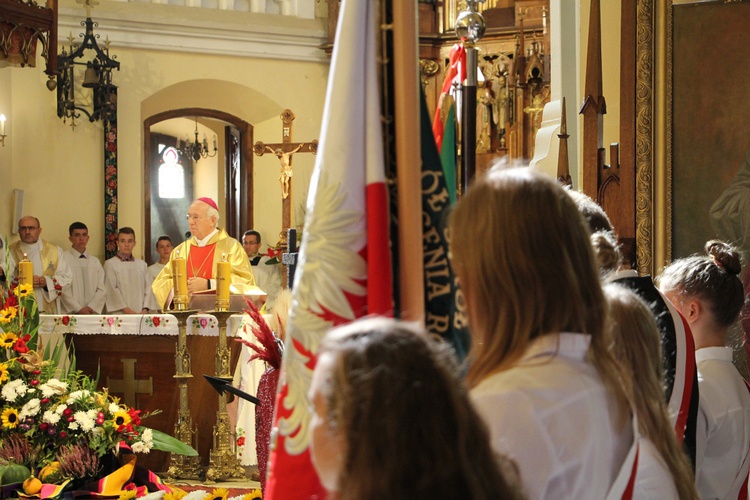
{"x": 2, "y": 124}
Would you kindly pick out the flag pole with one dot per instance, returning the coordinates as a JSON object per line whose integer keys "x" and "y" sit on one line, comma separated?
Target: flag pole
{"x": 470, "y": 28}
{"x": 408, "y": 161}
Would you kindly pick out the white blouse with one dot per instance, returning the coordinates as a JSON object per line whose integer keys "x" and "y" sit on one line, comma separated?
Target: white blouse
{"x": 552, "y": 414}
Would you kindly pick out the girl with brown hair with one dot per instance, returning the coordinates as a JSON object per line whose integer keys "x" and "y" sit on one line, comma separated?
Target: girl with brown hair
{"x": 391, "y": 419}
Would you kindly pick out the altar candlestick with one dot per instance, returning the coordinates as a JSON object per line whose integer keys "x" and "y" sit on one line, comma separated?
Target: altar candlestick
{"x": 179, "y": 281}
{"x": 223, "y": 269}
{"x": 25, "y": 271}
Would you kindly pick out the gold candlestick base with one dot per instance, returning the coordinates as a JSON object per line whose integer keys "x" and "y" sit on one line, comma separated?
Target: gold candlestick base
{"x": 223, "y": 463}
{"x": 181, "y": 466}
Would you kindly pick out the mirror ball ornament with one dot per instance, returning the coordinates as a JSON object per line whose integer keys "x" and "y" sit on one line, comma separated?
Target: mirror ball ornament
{"x": 470, "y": 26}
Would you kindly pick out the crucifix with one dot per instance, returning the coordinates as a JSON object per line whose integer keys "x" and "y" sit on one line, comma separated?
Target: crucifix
{"x": 284, "y": 151}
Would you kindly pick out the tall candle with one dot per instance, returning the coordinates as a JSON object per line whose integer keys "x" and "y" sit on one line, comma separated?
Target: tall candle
{"x": 223, "y": 270}
{"x": 25, "y": 271}
{"x": 179, "y": 280}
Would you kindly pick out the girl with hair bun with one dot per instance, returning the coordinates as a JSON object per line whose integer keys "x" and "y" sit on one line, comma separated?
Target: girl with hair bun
{"x": 708, "y": 292}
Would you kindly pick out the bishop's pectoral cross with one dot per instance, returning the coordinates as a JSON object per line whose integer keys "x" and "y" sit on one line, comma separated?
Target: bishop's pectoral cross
{"x": 284, "y": 151}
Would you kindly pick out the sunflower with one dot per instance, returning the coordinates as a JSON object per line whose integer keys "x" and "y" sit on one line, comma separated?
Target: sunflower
{"x": 255, "y": 493}
{"x": 24, "y": 290}
{"x": 121, "y": 419}
{"x": 128, "y": 494}
{"x": 7, "y": 314}
{"x": 3, "y": 372}
{"x": 9, "y": 418}
{"x": 8, "y": 340}
{"x": 219, "y": 494}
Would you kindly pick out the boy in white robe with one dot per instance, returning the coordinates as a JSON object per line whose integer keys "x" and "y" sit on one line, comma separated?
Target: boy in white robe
{"x": 87, "y": 293}
{"x": 164, "y": 250}
{"x": 125, "y": 278}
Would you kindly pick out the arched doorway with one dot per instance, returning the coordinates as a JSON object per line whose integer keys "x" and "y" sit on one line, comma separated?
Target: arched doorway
{"x": 234, "y": 168}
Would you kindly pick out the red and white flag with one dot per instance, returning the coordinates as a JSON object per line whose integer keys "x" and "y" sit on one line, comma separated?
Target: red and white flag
{"x": 344, "y": 268}
{"x": 455, "y": 73}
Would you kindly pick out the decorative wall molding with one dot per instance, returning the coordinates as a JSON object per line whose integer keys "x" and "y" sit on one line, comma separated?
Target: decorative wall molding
{"x": 201, "y": 31}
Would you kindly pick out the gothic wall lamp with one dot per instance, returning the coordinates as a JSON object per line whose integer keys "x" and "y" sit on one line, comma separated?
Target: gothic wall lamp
{"x": 197, "y": 150}
{"x": 3, "y": 135}
{"x": 71, "y": 101}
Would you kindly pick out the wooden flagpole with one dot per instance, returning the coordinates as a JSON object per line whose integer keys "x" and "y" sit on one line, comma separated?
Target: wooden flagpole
{"x": 408, "y": 159}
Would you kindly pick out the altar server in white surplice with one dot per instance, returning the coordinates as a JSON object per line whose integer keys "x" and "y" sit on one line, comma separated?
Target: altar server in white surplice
{"x": 125, "y": 278}
{"x": 86, "y": 293}
{"x": 163, "y": 249}
{"x": 52, "y": 274}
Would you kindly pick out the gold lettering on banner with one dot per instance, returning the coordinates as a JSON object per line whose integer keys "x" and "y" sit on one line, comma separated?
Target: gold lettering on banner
{"x": 128, "y": 386}
{"x": 437, "y": 323}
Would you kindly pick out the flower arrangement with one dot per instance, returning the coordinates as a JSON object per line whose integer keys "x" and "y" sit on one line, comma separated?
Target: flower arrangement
{"x": 53, "y": 421}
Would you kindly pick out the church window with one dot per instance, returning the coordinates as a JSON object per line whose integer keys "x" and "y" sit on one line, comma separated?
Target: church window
{"x": 171, "y": 174}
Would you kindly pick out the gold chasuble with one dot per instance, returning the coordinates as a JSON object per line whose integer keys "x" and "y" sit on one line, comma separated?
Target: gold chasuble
{"x": 48, "y": 256}
{"x": 201, "y": 262}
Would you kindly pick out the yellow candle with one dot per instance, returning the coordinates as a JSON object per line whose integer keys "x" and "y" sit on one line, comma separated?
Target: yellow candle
{"x": 179, "y": 275}
{"x": 25, "y": 272}
{"x": 223, "y": 270}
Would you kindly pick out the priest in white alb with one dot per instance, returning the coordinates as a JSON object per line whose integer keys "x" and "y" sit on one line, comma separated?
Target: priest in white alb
{"x": 207, "y": 245}
{"x": 52, "y": 275}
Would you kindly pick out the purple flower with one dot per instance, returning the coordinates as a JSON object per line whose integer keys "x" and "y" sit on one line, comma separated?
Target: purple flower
{"x": 51, "y": 430}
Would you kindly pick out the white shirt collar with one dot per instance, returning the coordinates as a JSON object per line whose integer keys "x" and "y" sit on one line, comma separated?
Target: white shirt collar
{"x": 204, "y": 241}
{"x": 718, "y": 353}
{"x": 569, "y": 345}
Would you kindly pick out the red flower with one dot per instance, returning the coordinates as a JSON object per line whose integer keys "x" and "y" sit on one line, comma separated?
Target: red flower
{"x": 135, "y": 416}
{"x": 12, "y": 301}
{"x": 241, "y": 441}
{"x": 20, "y": 347}
{"x": 66, "y": 320}
{"x": 156, "y": 320}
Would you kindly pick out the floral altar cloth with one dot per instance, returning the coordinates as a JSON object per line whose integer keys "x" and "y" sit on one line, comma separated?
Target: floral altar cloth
{"x": 133, "y": 324}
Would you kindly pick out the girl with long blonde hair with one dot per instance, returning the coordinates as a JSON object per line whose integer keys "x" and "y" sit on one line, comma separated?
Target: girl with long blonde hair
{"x": 541, "y": 370}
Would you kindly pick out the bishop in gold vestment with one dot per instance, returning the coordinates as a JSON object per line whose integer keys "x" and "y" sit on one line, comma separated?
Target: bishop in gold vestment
{"x": 202, "y": 251}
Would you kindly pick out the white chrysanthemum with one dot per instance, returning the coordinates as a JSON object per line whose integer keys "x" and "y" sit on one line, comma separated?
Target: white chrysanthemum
{"x": 114, "y": 408}
{"x": 73, "y": 426}
{"x": 77, "y": 395}
{"x": 52, "y": 387}
{"x": 50, "y": 417}
{"x": 30, "y": 409}
{"x": 87, "y": 423}
{"x": 9, "y": 391}
{"x": 61, "y": 408}
{"x": 140, "y": 447}
{"x": 92, "y": 413}
{"x": 97, "y": 431}
{"x": 148, "y": 437}
{"x": 196, "y": 495}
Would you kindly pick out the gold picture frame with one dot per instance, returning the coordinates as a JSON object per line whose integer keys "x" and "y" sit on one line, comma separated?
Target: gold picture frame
{"x": 662, "y": 232}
